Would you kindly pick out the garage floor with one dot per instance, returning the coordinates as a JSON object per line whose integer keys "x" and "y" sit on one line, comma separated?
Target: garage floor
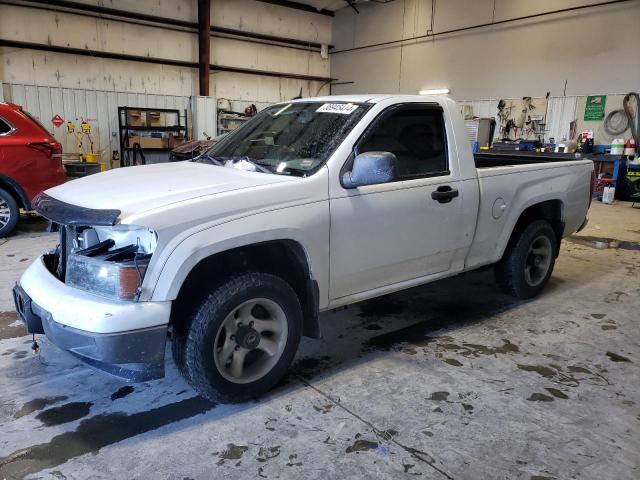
{"x": 450, "y": 380}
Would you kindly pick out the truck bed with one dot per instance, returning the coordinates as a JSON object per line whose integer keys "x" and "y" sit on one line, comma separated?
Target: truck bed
{"x": 503, "y": 159}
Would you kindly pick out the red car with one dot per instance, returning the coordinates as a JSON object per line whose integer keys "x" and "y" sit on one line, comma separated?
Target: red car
{"x": 30, "y": 162}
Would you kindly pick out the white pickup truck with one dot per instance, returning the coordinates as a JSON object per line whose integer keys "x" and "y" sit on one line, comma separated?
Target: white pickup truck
{"x": 313, "y": 204}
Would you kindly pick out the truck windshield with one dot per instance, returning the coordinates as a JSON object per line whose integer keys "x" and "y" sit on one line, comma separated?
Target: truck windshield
{"x": 287, "y": 139}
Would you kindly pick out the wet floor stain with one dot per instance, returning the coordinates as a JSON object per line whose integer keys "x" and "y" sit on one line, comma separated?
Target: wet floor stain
{"x": 439, "y": 396}
{"x": 96, "y": 432}
{"x": 372, "y": 326}
{"x": 66, "y": 413}
{"x": 7, "y": 327}
{"x": 122, "y": 392}
{"x": 308, "y": 367}
{"x": 599, "y": 316}
{"x": 232, "y": 452}
{"x": 617, "y": 358}
{"x": 578, "y": 369}
{"x": 38, "y": 404}
{"x": 453, "y": 361}
{"x": 20, "y": 355}
{"x": 557, "y": 393}
{"x": 614, "y": 297}
{"x": 540, "y": 397}
{"x": 542, "y": 370}
{"x": 361, "y": 445}
{"x": 267, "y": 453}
{"x": 452, "y": 314}
{"x": 323, "y": 408}
{"x": 292, "y": 461}
{"x": 381, "y": 307}
{"x": 475, "y": 350}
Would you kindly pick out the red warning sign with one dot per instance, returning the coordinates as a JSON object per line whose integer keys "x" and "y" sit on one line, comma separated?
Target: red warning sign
{"x": 57, "y": 120}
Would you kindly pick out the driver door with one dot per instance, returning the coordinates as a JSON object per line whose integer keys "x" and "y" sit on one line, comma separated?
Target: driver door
{"x": 390, "y": 233}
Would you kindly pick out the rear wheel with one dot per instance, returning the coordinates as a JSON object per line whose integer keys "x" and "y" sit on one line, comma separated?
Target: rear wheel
{"x": 243, "y": 338}
{"x": 528, "y": 261}
{"x": 9, "y": 213}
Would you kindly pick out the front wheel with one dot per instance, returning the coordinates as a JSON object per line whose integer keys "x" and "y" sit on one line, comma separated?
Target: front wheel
{"x": 243, "y": 338}
{"x": 528, "y": 261}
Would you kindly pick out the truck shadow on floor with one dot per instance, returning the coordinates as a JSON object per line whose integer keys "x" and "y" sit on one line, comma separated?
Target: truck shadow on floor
{"x": 352, "y": 336}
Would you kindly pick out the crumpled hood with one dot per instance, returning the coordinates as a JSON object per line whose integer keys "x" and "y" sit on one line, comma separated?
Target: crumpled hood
{"x": 134, "y": 190}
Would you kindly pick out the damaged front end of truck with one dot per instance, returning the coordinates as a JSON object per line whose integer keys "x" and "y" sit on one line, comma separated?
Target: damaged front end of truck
{"x": 96, "y": 272}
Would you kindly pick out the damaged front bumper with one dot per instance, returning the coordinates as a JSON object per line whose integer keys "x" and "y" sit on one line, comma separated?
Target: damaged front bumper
{"x": 125, "y": 339}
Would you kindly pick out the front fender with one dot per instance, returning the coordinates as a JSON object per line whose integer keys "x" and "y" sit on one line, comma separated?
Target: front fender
{"x": 308, "y": 225}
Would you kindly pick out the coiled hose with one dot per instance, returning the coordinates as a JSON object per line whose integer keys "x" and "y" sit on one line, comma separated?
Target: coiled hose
{"x": 634, "y": 117}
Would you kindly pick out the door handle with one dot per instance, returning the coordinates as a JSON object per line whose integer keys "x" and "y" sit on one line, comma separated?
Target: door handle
{"x": 444, "y": 194}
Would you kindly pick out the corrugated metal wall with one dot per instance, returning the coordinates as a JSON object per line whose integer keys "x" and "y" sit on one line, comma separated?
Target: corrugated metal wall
{"x": 98, "y": 108}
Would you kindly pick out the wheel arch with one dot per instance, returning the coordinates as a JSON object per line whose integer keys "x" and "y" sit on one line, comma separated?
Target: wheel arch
{"x": 550, "y": 210}
{"x": 17, "y": 192}
{"x": 284, "y": 257}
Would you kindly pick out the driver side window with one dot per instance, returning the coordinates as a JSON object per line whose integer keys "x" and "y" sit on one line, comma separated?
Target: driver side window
{"x": 416, "y": 135}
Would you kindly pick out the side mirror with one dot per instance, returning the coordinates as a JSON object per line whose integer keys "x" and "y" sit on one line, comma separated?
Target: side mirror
{"x": 370, "y": 168}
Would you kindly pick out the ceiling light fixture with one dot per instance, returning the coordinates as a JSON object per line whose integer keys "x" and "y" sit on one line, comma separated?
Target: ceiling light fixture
{"x": 435, "y": 91}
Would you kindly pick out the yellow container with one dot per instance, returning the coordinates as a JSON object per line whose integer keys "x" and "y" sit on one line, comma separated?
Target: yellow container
{"x": 93, "y": 157}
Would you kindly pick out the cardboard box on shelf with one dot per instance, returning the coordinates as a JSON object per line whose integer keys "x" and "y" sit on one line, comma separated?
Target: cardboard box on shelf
{"x": 136, "y": 118}
{"x": 155, "y": 119}
{"x": 147, "y": 142}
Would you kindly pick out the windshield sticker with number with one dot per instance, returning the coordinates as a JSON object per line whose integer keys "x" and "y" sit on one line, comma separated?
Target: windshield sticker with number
{"x": 342, "y": 108}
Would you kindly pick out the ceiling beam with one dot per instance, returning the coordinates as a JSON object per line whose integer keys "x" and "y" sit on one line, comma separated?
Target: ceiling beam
{"x": 298, "y": 6}
{"x": 158, "y": 61}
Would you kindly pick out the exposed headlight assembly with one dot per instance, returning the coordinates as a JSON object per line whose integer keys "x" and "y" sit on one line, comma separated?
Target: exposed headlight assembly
{"x": 118, "y": 280}
{"x": 106, "y": 269}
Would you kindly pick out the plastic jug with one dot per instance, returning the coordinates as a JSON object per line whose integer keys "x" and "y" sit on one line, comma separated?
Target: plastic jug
{"x": 630, "y": 147}
{"x": 608, "y": 194}
{"x": 617, "y": 146}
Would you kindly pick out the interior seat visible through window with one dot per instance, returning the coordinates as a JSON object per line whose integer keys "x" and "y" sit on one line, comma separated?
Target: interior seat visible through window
{"x": 416, "y": 135}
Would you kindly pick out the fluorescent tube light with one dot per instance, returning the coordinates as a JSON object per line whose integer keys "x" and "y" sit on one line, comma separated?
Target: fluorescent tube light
{"x": 435, "y": 91}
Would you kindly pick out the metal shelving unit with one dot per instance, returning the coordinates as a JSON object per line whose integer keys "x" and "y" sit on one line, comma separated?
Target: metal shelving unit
{"x": 124, "y": 128}
{"x": 229, "y": 121}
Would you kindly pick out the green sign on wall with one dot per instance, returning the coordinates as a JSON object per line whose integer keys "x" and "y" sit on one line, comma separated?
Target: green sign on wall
{"x": 594, "y": 108}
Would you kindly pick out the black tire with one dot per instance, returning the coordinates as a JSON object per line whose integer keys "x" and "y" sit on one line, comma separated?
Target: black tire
{"x": 7, "y": 201}
{"x": 513, "y": 272}
{"x": 178, "y": 344}
{"x": 198, "y": 346}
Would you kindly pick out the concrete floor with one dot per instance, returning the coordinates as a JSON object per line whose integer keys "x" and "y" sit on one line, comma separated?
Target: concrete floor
{"x": 450, "y": 380}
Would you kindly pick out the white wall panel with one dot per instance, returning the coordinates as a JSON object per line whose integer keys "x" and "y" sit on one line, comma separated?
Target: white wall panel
{"x": 591, "y": 50}
{"x": 258, "y": 17}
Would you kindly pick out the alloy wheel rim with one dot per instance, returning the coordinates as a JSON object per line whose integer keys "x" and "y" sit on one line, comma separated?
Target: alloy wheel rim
{"x": 5, "y": 213}
{"x": 250, "y": 340}
{"x": 538, "y": 261}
